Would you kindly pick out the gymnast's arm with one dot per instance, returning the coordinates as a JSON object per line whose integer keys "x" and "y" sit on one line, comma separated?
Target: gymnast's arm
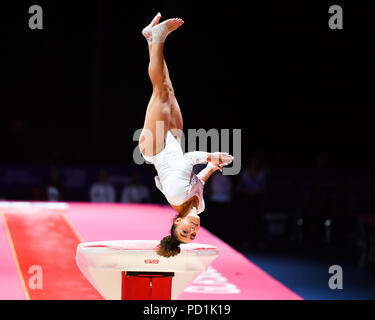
{"x": 216, "y": 158}
{"x": 206, "y": 173}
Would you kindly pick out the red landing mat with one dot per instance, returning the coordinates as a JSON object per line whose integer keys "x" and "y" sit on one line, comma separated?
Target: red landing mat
{"x": 45, "y": 245}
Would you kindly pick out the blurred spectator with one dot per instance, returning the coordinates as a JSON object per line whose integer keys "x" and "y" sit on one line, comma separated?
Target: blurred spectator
{"x": 135, "y": 192}
{"x": 252, "y": 182}
{"x": 53, "y": 189}
{"x": 305, "y": 212}
{"x": 249, "y": 198}
{"x": 220, "y": 189}
{"x": 219, "y": 199}
{"x": 102, "y": 190}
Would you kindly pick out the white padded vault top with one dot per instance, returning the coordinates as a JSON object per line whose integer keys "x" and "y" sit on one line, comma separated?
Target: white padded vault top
{"x": 108, "y": 258}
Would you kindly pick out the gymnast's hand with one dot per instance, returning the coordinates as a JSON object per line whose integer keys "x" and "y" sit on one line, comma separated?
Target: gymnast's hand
{"x": 220, "y": 159}
{"x": 215, "y": 167}
{"x": 216, "y": 161}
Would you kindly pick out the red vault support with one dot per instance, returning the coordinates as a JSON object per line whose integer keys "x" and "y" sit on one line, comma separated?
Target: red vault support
{"x": 146, "y": 285}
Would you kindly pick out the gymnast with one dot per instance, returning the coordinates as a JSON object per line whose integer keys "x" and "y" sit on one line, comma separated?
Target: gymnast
{"x": 159, "y": 144}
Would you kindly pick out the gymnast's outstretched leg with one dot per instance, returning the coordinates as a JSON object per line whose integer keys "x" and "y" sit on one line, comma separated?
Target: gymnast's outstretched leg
{"x": 175, "y": 123}
{"x": 163, "y": 112}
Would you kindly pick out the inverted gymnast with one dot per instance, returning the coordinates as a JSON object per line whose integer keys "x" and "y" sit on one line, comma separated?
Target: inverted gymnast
{"x": 160, "y": 141}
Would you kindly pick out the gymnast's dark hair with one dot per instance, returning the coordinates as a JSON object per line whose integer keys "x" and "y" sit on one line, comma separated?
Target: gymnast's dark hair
{"x": 169, "y": 246}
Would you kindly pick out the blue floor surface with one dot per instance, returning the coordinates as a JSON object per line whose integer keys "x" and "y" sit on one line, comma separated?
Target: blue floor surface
{"x": 306, "y": 273}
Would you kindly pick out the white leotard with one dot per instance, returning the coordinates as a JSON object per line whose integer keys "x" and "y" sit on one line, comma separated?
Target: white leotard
{"x": 175, "y": 178}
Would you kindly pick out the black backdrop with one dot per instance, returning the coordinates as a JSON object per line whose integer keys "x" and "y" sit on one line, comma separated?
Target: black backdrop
{"x": 272, "y": 68}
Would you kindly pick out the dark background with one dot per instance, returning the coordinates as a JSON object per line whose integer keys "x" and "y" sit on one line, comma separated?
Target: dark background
{"x": 272, "y": 68}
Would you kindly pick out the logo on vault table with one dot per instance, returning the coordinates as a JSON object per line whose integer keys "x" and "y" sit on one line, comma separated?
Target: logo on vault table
{"x": 152, "y": 261}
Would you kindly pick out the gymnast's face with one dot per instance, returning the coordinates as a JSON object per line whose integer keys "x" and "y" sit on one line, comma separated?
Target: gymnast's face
{"x": 187, "y": 228}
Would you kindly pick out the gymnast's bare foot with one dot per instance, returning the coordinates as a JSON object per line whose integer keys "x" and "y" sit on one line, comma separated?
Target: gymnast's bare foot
{"x": 147, "y": 30}
{"x": 162, "y": 30}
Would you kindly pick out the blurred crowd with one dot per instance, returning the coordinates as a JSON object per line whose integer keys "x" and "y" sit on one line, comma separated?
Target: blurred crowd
{"x": 102, "y": 190}
{"x": 262, "y": 206}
